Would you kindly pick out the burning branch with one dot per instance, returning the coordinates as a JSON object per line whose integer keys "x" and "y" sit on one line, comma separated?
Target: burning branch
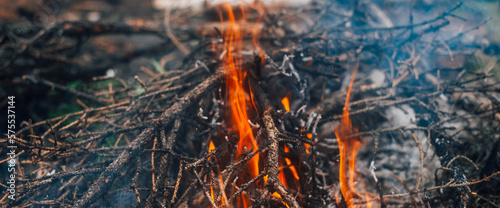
{"x": 273, "y": 141}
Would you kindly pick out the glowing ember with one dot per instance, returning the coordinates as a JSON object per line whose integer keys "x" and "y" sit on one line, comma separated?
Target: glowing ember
{"x": 348, "y": 146}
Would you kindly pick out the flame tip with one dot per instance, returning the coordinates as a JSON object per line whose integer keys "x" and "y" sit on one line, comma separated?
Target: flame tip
{"x": 349, "y": 147}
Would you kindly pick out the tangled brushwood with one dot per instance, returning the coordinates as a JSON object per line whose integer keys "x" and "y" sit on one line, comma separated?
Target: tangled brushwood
{"x": 422, "y": 119}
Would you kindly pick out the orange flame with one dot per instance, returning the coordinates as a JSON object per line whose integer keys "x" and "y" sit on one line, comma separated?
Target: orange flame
{"x": 307, "y": 146}
{"x": 286, "y": 103}
{"x": 348, "y": 146}
{"x": 282, "y": 177}
{"x": 211, "y": 147}
{"x": 291, "y": 167}
{"x": 238, "y": 98}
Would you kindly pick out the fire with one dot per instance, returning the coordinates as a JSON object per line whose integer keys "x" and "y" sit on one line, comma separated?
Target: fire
{"x": 240, "y": 103}
{"x": 307, "y": 146}
{"x": 286, "y": 103}
{"x": 348, "y": 146}
{"x": 239, "y": 95}
{"x": 291, "y": 167}
{"x": 211, "y": 147}
{"x": 282, "y": 177}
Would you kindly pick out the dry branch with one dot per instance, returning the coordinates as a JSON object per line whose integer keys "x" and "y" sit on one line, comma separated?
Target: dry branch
{"x": 106, "y": 179}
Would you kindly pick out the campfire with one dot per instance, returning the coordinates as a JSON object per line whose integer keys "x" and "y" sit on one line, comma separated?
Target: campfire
{"x": 323, "y": 104}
